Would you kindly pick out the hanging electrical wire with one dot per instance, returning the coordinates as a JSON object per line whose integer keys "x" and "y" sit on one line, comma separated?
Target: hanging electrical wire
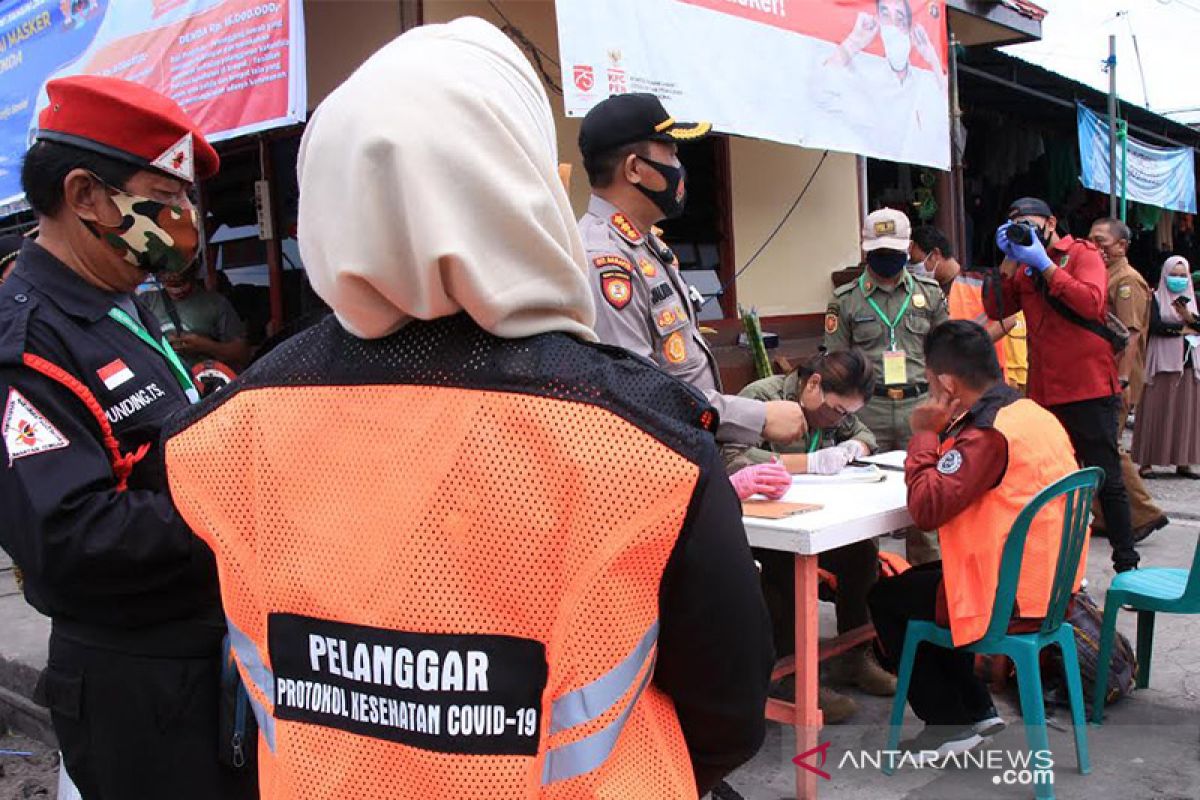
{"x": 536, "y": 54}
{"x": 774, "y": 233}
{"x": 1138, "y": 54}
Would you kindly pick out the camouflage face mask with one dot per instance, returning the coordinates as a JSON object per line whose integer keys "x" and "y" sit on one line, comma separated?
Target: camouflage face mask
{"x": 152, "y": 236}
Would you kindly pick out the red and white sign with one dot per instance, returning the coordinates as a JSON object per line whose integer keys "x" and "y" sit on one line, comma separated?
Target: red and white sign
{"x": 27, "y": 432}
{"x": 585, "y": 77}
{"x": 860, "y": 76}
{"x": 114, "y": 373}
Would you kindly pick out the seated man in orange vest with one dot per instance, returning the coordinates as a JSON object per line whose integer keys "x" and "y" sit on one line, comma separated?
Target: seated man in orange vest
{"x": 978, "y": 454}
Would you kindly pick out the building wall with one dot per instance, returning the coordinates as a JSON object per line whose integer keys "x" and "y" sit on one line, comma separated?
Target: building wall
{"x": 822, "y": 235}
{"x": 792, "y": 274}
{"x": 341, "y": 34}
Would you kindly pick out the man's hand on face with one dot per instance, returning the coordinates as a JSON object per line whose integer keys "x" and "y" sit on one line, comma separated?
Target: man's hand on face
{"x": 934, "y": 415}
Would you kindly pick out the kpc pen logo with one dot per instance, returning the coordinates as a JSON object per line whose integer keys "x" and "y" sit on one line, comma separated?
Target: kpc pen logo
{"x": 821, "y": 750}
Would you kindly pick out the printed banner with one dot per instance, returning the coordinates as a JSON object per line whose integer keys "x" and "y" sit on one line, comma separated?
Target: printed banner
{"x": 1157, "y": 176}
{"x": 859, "y": 76}
{"x": 236, "y": 66}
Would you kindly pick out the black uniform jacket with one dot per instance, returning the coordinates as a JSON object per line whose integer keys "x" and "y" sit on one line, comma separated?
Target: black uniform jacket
{"x": 113, "y": 568}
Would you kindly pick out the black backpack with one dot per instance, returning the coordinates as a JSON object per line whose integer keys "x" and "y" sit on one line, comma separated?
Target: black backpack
{"x": 1087, "y": 620}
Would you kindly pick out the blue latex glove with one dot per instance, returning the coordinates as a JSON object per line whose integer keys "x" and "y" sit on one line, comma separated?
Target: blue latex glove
{"x": 1002, "y": 241}
{"x": 1032, "y": 254}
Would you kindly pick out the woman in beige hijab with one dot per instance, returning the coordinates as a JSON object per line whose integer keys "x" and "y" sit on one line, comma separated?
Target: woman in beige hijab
{"x": 464, "y": 551}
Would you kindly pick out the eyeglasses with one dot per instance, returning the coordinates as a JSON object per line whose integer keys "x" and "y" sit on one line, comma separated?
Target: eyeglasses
{"x": 188, "y": 195}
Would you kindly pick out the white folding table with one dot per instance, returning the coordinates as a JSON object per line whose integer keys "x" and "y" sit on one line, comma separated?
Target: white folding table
{"x": 851, "y": 512}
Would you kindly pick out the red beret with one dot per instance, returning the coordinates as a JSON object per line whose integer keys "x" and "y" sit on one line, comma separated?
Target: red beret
{"x": 127, "y": 121}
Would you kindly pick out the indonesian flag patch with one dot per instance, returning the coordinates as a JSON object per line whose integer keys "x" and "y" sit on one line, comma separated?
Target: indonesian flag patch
{"x": 114, "y": 373}
{"x": 26, "y": 431}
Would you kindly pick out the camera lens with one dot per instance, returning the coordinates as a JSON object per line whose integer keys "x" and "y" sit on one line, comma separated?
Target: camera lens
{"x": 1020, "y": 233}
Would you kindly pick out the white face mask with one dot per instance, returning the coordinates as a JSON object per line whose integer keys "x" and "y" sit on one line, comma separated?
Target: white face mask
{"x": 897, "y": 45}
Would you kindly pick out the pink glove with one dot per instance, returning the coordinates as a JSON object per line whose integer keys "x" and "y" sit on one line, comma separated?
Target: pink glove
{"x": 770, "y": 480}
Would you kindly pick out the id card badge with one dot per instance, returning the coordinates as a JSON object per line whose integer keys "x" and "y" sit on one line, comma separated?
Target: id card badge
{"x": 895, "y": 370}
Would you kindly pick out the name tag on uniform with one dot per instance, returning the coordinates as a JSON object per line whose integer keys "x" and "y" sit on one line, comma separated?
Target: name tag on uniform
{"x": 895, "y": 370}
{"x": 451, "y": 693}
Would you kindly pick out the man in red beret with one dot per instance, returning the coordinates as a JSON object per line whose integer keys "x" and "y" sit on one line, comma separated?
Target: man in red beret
{"x": 87, "y": 380}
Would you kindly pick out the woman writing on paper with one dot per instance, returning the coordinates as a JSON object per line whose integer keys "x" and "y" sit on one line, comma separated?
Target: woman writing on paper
{"x": 830, "y": 388}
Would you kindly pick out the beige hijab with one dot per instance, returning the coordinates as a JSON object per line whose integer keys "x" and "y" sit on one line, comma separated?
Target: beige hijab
{"x": 429, "y": 186}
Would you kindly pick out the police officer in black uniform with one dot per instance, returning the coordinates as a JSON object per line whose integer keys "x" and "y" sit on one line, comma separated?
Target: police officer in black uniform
{"x": 87, "y": 380}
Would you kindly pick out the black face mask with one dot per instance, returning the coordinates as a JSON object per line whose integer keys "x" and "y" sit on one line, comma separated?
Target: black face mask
{"x": 670, "y": 200}
{"x": 886, "y": 263}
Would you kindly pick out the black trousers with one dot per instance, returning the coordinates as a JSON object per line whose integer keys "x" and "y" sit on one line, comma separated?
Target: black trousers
{"x": 139, "y": 727}
{"x": 1094, "y": 428}
{"x": 944, "y": 689}
{"x": 856, "y": 567}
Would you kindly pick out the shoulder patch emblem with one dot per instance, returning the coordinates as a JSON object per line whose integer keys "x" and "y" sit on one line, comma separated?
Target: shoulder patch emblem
{"x": 674, "y": 350}
{"x": 831, "y": 323}
{"x": 950, "y": 463}
{"x": 1125, "y": 291}
{"x": 627, "y": 229}
{"x": 919, "y": 300}
{"x": 617, "y": 288}
{"x": 600, "y": 262}
{"x": 26, "y": 431}
{"x": 647, "y": 267}
{"x": 667, "y": 317}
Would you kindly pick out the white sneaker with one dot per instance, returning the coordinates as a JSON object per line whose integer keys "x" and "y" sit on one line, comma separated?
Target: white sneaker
{"x": 989, "y": 727}
{"x": 933, "y": 745}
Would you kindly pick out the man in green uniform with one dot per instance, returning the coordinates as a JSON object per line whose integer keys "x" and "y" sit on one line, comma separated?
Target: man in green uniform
{"x": 886, "y": 313}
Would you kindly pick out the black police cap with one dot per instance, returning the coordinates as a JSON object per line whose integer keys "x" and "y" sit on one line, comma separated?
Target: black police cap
{"x": 1029, "y": 207}
{"x": 627, "y": 118}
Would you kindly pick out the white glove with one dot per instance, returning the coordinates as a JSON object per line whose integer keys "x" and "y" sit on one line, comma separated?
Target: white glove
{"x": 855, "y": 448}
{"x": 829, "y": 461}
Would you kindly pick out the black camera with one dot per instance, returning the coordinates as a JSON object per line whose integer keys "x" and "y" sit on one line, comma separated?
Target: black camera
{"x": 1021, "y": 233}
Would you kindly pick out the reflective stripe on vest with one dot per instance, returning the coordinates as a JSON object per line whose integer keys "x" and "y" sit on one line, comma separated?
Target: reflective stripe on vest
{"x": 586, "y": 704}
{"x": 258, "y": 673}
{"x": 587, "y": 754}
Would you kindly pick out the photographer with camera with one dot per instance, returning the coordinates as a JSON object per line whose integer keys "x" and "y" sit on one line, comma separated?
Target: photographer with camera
{"x": 1168, "y": 420}
{"x": 1060, "y": 283}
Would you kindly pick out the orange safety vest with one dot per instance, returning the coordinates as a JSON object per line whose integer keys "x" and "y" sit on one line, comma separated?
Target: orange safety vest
{"x": 1039, "y": 453}
{"x": 966, "y": 302}
{"x": 444, "y": 591}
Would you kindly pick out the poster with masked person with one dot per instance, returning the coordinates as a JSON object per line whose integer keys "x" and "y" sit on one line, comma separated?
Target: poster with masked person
{"x": 859, "y": 76}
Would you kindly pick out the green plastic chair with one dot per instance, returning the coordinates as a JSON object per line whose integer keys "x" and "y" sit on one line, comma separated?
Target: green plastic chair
{"x": 1024, "y": 649}
{"x": 1172, "y": 591}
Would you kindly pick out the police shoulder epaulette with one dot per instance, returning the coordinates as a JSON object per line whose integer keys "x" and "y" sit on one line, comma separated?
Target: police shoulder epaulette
{"x": 845, "y": 289}
{"x": 626, "y": 229}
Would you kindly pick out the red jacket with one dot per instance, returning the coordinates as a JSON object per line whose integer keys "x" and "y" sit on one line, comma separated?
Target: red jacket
{"x": 1067, "y": 363}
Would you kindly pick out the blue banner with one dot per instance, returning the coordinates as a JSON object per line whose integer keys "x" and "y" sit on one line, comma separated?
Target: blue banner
{"x": 235, "y": 66}
{"x": 1156, "y": 176}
